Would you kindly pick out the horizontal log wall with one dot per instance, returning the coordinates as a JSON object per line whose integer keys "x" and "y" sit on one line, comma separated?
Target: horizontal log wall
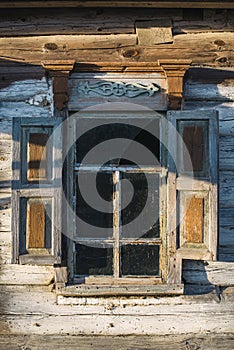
{"x": 207, "y": 38}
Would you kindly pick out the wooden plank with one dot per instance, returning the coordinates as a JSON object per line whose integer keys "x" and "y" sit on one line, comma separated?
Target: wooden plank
{"x": 5, "y": 128}
{"x": 226, "y": 236}
{"x": 13, "y": 109}
{"x": 218, "y": 91}
{"x": 212, "y": 272}
{"x": 69, "y": 42}
{"x": 169, "y": 342}
{"x": 201, "y": 48}
{"x": 26, "y": 274}
{"x": 37, "y": 156}
{"x": 226, "y": 189}
{"x": 194, "y": 219}
{"x": 154, "y": 32}
{"x": 35, "y": 234}
{"x": 82, "y": 290}
{"x": 226, "y": 147}
{"x": 23, "y": 90}
{"x": 226, "y": 217}
{"x": 68, "y": 21}
{"x": 121, "y": 3}
{"x": 226, "y": 121}
{"x": 5, "y": 219}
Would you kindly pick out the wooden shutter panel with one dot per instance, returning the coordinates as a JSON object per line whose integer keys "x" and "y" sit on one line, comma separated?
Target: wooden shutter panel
{"x": 36, "y": 188}
{"x": 192, "y": 188}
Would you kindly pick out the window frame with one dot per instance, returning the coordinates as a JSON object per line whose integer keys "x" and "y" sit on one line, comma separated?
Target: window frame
{"x": 116, "y": 279}
{"x": 23, "y": 189}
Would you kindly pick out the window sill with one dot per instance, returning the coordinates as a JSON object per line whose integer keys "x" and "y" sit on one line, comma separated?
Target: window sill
{"x": 124, "y": 290}
{"x": 32, "y": 259}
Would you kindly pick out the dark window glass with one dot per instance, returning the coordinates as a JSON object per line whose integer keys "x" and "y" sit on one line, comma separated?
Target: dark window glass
{"x": 140, "y": 260}
{"x": 92, "y": 260}
{"x": 94, "y": 206}
{"x": 140, "y": 205}
{"x": 144, "y": 132}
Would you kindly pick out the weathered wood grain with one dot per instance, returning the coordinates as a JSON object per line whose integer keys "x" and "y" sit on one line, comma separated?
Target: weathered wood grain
{"x": 212, "y": 272}
{"x": 5, "y": 128}
{"x": 209, "y": 91}
{"x": 24, "y": 90}
{"x": 9, "y": 110}
{"x": 169, "y": 342}
{"x": 226, "y": 235}
{"x": 116, "y": 325}
{"x": 226, "y": 189}
{"x": 37, "y": 156}
{"x": 154, "y": 32}
{"x": 84, "y": 21}
{"x": 68, "y": 42}
{"x": 35, "y": 225}
{"x": 226, "y": 217}
{"x": 194, "y": 220}
{"x": 201, "y": 48}
{"x": 121, "y": 3}
{"x": 226, "y": 147}
{"x": 26, "y": 275}
{"x": 226, "y": 252}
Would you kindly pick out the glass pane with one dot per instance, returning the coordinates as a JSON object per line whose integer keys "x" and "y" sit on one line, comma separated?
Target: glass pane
{"x": 110, "y": 141}
{"x": 140, "y": 205}
{"x": 140, "y": 260}
{"x": 92, "y": 260}
{"x": 94, "y": 205}
{"x": 195, "y": 138}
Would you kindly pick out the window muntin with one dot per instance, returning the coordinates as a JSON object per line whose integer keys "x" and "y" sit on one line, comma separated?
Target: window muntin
{"x": 123, "y": 241}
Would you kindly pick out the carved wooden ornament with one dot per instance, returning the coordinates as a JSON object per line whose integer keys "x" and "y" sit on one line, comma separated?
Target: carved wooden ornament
{"x": 59, "y": 70}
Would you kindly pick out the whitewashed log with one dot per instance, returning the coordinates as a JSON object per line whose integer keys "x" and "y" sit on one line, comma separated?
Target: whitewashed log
{"x": 116, "y": 325}
{"x": 25, "y": 89}
{"x": 5, "y": 253}
{"x": 5, "y": 129}
{"x": 9, "y": 110}
{"x": 217, "y": 273}
{"x": 204, "y": 105}
{"x": 203, "y": 91}
{"x": 5, "y": 219}
{"x": 5, "y": 238}
{"x": 26, "y": 274}
{"x": 15, "y": 301}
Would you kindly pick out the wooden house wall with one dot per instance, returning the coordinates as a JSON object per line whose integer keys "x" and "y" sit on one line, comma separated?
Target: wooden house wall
{"x": 27, "y": 297}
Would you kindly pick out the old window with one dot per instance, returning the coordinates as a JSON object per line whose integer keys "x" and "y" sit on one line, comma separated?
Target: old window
{"x": 123, "y": 237}
{"x": 136, "y": 217}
